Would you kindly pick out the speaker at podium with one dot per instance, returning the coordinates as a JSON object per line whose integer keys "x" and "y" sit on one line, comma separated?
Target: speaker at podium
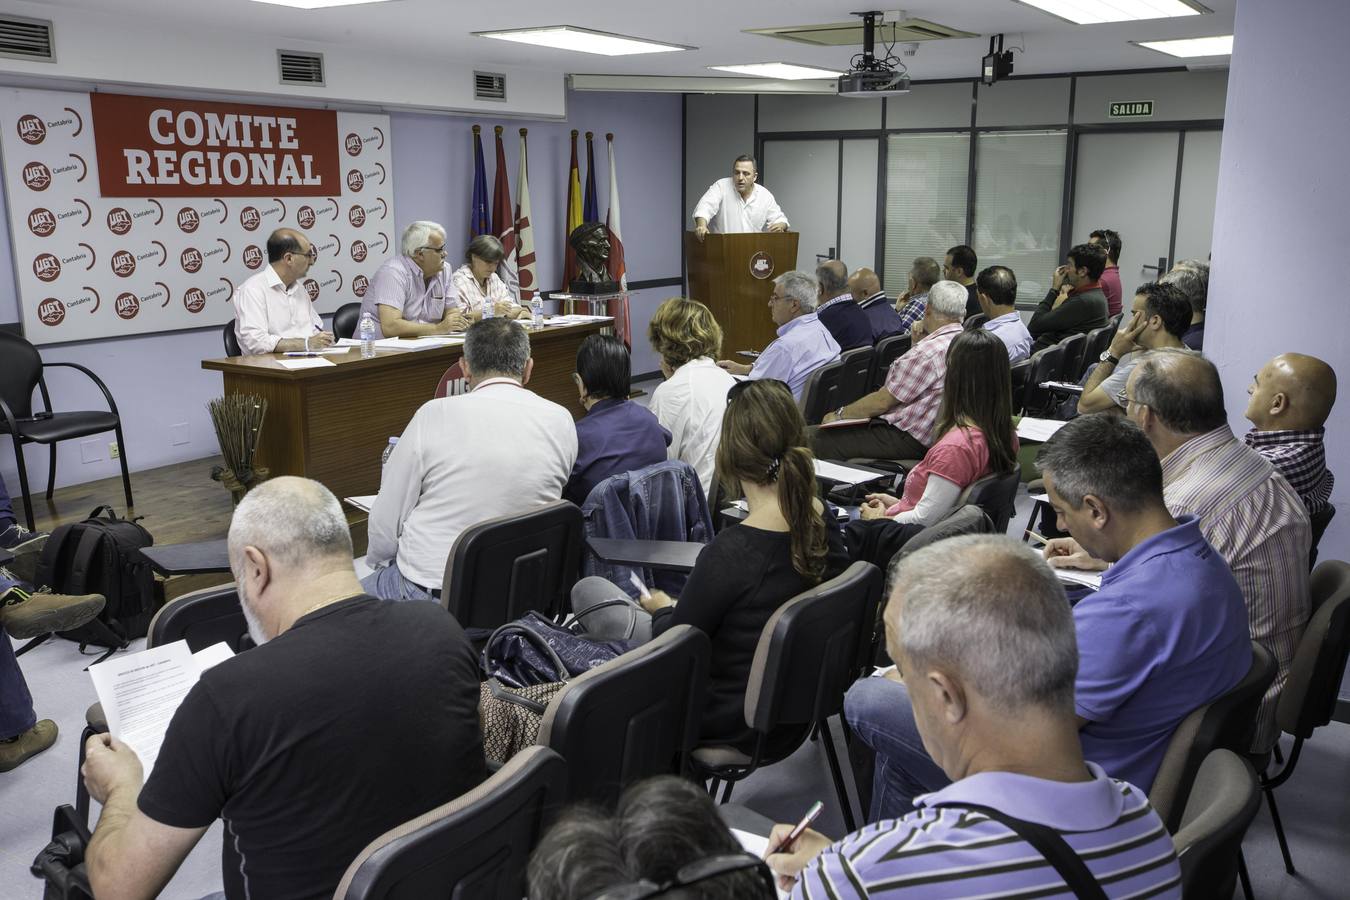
{"x": 732, "y": 274}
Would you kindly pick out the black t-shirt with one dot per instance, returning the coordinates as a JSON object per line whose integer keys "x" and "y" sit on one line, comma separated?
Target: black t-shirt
{"x": 361, "y": 716}
{"x": 972, "y": 301}
{"x": 739, "y": 581}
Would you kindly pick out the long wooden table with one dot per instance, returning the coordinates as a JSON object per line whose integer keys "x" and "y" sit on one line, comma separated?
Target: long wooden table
{"x": 331, "y": 423}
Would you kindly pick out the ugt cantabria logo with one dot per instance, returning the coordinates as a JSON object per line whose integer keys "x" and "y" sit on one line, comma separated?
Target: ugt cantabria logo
{"x": 31, "y": 129}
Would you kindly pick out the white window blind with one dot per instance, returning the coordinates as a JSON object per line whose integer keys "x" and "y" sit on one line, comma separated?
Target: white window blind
{"x": 1019, "y": 193}
{"x": 926, "y": 177}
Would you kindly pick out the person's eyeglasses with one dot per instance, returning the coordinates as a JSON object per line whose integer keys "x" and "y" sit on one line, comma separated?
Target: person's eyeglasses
{"x": 441, "y": 251}
{"x": 311, "y": 254}
{"x": 694, "y": 873}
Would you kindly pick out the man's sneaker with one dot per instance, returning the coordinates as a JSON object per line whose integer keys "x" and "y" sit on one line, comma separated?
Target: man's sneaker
{"x": 17, "y": 751}
{"x": 26, "y": 546}
{"x": 27, "y": 615}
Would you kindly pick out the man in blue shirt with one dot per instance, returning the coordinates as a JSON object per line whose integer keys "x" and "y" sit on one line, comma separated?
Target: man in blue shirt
{"x": 997, "y": 293}
{"x": 837, "y": 310}
{"x": 866, "y": 289}
{"x": 804, "y": 344}
{"x": 1166, "y": 632}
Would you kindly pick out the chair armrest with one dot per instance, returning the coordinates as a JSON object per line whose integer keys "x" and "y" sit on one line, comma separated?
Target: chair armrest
{"x": 11, "y": 424}
{"x": 679, "y": 556}
{"x": 107, "y": 394}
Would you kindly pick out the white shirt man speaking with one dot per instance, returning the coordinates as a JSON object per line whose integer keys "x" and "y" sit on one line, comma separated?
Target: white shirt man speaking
{"x": 737, "y": 204}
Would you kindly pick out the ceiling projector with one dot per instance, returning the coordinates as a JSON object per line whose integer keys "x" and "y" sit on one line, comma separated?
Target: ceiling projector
{"x": 871, "y": 77}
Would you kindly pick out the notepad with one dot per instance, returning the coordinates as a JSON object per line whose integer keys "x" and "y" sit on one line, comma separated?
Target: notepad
{"x": 1029, "y": 429}
{"x": 846, "y": 474}
{"x": 1081, "y": 577}
{"x": 363, "y": 502}
{"x": 843, "y": 423}
{"x": 309, "y": 362}
{"x": 327, "y": 351}
{"x": 755, "y": 845}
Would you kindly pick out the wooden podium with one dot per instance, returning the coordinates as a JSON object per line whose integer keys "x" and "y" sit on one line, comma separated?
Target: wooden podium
{"x": 732, "y": 274}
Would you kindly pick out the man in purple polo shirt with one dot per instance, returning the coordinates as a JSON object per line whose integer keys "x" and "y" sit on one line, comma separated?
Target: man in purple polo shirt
{"x": 407, "y": 296}
{"x": 981, "y": 630}
{"x": 804, "y": 343}
{"x": 1165, "y": 633}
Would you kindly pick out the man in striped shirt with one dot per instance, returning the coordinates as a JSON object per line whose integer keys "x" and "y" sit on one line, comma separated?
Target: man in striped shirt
{"x": 981, "y": 630}
{"x": 1246, "y": 509}
{"x": 1291, "y": 398}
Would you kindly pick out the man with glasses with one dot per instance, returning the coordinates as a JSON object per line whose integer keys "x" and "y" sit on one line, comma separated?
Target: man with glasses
{"x": 407, "y": 297}
{"x": 272, "y": 310}
{"x": 804, "y": 344}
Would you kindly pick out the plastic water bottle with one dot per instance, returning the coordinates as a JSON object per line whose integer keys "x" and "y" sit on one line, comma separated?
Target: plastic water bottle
{"x": 388, "y": 451}
{"x": 537, "y": 308}
{"x": 365, "y": 332}
{"x": 487, "y": 308}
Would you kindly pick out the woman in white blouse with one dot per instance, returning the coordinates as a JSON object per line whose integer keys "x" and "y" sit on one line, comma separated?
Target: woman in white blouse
{"x": 477, "y": 280}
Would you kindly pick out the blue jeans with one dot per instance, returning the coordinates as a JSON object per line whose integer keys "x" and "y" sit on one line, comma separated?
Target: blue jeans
{"x": 878, "y": 711}
{"x": 388, "y": 583}
{"x": 16, "y": 704}
{"x": 6, "y": 507}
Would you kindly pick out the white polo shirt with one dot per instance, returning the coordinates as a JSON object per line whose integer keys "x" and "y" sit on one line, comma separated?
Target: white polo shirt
{"x": 265, "y": 312}
{"x": 728, "y": 213}
{"x": 690, "y": 404}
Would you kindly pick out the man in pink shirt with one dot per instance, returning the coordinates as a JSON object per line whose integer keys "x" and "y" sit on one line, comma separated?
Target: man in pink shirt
{"x": 1110, "y": 280}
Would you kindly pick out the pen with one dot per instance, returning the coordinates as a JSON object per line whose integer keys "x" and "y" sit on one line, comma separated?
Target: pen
{"x": 637, "y": 583}
{"x": 316, "y": 330}
{"x": 1036, "y": 537}
{"x": 801, "y": 827}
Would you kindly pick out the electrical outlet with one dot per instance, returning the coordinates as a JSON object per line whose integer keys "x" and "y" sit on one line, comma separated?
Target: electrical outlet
{"x": 179, "y": 434}
{"x": 114, "y": 451}
{"x": 91, "y": 451}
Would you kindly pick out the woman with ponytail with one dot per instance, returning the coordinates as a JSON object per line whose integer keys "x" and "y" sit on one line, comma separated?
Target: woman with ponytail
{"x": 783, "y": 547}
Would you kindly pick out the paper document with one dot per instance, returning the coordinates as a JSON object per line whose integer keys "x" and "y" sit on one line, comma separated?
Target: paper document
{"x": 1081, "y": 577}
{"x": 846, "y": 474}
{"x": 1029, "y": 429}
{"x": 576, "y": 319}
{"x": 309, "y": 362}
{"x": 363, "y": 502}
{"x": 140, "y": 692}
{"x": 756, "y": 845}
{"x": 843, "y": 423}
{"x": 421, "y": 343}
{"x": 326, "y": 351}
{"x": 1068, "y": 386}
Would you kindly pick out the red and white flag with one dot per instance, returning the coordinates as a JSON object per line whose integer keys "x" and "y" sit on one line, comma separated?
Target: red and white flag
{"x": 503, "y": 223}
{"x": 617, "y": 270}
{"x": 525, "y": 270}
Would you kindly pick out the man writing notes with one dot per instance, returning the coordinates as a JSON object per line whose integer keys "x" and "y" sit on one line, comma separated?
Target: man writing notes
{"x": 272, "y": 310}
{"x": 737, "y": 204}
{"x": 407, "y": 297}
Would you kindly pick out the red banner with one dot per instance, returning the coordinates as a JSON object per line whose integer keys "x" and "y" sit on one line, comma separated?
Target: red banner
{"x": 158, "y": 147}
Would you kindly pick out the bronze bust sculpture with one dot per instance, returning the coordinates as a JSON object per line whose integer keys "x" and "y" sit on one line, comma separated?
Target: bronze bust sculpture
{"x": 590, "y": 242}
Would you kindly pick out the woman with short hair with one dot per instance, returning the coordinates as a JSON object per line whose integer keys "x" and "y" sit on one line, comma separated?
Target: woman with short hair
{"x": 477, "y": 280}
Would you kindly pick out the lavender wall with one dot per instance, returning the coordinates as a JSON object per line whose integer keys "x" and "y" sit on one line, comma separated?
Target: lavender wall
{"x": 1282, "y": 199}
{"x": 158, "y": 380}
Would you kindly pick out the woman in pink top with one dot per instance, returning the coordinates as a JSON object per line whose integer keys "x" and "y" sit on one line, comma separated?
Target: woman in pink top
{"x": 975, "y": 436}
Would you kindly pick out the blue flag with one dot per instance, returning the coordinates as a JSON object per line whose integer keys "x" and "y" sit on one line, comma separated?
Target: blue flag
{"x": 479, "y": 222}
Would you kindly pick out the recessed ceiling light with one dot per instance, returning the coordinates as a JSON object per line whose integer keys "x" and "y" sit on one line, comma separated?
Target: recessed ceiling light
{"x": 1220, "y": 45}
{"x": 317, "y": 4}
{"x": 785, "y": 71}
{"x": 1090, "y": 12}
{"x": 583, "y": 40}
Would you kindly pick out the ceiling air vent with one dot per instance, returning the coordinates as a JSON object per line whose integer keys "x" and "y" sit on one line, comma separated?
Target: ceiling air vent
{"x": 300, "y": 67}
{"x": 22, "y": 38}
{"x": 844, "y": 34}
{"x": 489, "y": 86}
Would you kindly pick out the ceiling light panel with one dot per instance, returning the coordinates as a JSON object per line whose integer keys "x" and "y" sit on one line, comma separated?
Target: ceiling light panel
{"x": 582, "y": 40}
{"x": 783, "y": 71}
{"x": 1091, "y": 12}
{"x": 318, "y": 4}
{"x": 1188, "y": 48}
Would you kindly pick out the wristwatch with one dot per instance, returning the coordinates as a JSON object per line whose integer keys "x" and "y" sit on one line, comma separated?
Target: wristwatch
{"x": 1107, "y": 357}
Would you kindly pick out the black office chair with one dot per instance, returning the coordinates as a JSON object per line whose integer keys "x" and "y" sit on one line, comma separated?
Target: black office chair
{"x": 809, "y": 652}
{"x": 888, "y": 350}
{"x": 1020, "y": 371}
{"x": 854, "y": 380}
{"x": 22, "y": 371}
{"x": 502, "y": 568}
{"x": 232, "y": 347}
{"x": 1223, "y": 803}
{"x": 1071, "y": 366}
{"x": 477, "y": 845}
{"x": 821, "y": 392}
{"x": 1045, "y": 366}
{"x": 631, "y": 718}
{"x": 1320, "y": 520}
{"x": 346, "y": 319}
{"x": 974, "y": 321}
{"x": 996, "y": 495}
{"x": 1098, "y": 342}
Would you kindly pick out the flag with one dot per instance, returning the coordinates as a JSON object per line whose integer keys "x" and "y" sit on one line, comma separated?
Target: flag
{"x": 617, "y": 270}
{"x": 591, "y": 211}
{"x": 524, "y": 233}
{"x": 503, "y": 225}
{"x": 573, "y": 214}
{"x": 478, "y": 210}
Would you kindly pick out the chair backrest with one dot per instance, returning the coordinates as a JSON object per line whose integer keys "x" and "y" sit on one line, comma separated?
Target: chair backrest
{"x": 232, "y": 347}
{"x": 1225, "y": 723}
{"x": 201, "y": 618}
{"x": 1020, "y": 371}
{"x": 475, "y": 846}
{"x": 502, "y": 568}
{"x": 888, "y": 350}
{"x": 634, "y": 717}
{"x": 1071, "y": 366}
{"x": 1045, "y": 366}
{"x": 974, "y": 321}
{"x": 1319, "y": 520}
{"x": 811, "y": 650}
{"x": 1309, "y": 696}
{"x": 821, "y": 393}
{"x": 19, "y": 375}
{"x": 345, "y": 319}
{"x": 1223, "y": 803}
{"x": 996, "y": 494}
{"x": 452, "y": 383}
{"x": 857, "y": 370}
{"x": 1098, "y": 341}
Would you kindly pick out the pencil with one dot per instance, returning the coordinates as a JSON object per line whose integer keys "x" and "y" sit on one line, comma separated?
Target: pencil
{"x": 1036, "y": 537}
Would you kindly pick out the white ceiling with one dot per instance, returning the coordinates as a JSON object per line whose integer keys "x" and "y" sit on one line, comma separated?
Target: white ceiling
{"x": 433, "y": 29}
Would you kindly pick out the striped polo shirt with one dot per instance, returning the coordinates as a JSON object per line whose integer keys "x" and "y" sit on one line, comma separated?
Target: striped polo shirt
{"x": 942, "y": 851}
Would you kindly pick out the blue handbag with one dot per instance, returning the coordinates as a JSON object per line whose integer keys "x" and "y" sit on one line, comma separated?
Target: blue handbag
{"x": 533, "y": 650}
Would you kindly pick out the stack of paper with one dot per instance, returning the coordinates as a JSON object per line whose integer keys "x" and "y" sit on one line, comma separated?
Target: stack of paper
{"x": 364, "y": 502}
{"x": 846, "y": 474}
{"x": 1080, "y": 577}
{"x": 308, "y": 362}
{"x": 1029, "y": 429}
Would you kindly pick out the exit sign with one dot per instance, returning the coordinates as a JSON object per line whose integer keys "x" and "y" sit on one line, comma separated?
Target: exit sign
{"x": 1131, "y": 109}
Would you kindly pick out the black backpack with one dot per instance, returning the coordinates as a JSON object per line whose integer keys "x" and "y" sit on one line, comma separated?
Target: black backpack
{"x": 102, "y": 555}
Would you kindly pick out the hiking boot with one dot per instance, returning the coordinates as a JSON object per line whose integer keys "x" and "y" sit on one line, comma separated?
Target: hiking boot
{"x": 18, "y": 750}
{"x": 26, "y": 546}
{"x": 26, "y": 615}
